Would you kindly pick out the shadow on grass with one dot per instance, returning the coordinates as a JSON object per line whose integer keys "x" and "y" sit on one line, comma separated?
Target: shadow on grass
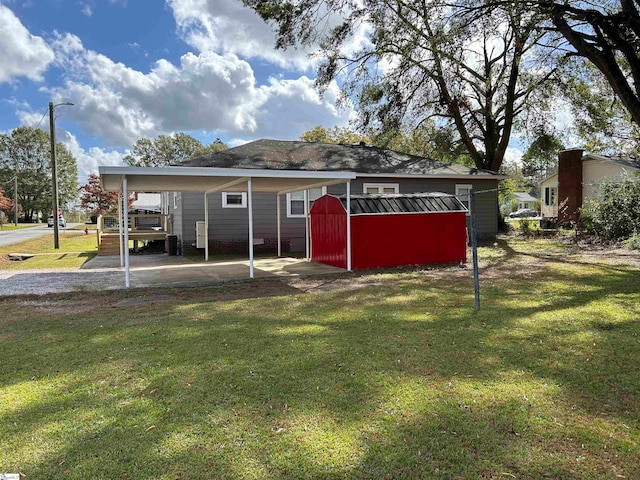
{"x": 399, "y": 380}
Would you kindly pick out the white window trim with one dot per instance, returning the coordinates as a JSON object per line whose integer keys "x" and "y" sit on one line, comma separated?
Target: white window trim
{"x": 547, "y": 195}
{"x": 175, "y": 200}
{"x": 381, "y": 186}
{"x": 302, "y": 215}
{"x": 234, "y": 205}
{"x": 468, "y": 187}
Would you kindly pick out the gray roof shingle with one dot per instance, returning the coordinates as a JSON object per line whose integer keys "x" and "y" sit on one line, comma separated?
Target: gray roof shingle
{"x": 297, "y": 155}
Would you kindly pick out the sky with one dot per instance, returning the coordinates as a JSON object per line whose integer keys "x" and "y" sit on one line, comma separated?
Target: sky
{"x": 138, "y": 69}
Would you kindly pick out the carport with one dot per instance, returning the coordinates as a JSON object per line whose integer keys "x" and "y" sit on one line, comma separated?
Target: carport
{"x": 209, "y": 180}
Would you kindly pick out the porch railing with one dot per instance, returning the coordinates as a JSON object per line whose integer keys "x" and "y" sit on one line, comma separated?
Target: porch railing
{"x": 138, "y": 223}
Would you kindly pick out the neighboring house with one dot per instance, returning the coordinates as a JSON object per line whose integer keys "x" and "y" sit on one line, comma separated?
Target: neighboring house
{"x": 563, "y": 193}
{"x": 525, "y": 200}
{"x": 151, "y": 202}
{"x": 377, "y": 171}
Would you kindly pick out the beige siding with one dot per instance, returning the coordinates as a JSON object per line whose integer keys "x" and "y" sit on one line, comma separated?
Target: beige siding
{"x": 595, "y": 171}
{"x": 548, "y": 211}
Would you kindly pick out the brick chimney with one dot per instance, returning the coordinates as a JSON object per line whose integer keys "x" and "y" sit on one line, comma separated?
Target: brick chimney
{"x": 569, "y": 185}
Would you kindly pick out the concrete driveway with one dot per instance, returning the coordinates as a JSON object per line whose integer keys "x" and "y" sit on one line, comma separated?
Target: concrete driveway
{"x": 105, "y": 273}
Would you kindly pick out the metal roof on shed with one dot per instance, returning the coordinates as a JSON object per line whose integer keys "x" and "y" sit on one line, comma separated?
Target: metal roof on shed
{"x": 432, "y": 202}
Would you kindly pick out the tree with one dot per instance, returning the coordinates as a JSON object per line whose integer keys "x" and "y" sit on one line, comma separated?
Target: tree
{"x": 614, "y": 212}
{"x": 607, "y": 34}
{"x": 425, "y": 61}
{"x": 426, "y": 141}
{"x": 168, "y": 150}
{"x": 26, "y": 151}
{"x": 6, "y": 204}
{"x": 600, "y": 120}
{"x": 336, "y": 134}
{"x": 94, "y": 199}
{"x": 541, "y": 157}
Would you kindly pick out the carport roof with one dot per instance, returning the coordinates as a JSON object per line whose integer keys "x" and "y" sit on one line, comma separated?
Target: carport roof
{"x": 211, "y": 179}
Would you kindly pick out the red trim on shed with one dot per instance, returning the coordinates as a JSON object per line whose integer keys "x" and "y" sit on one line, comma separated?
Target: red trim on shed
{"x": 386, "y": 240}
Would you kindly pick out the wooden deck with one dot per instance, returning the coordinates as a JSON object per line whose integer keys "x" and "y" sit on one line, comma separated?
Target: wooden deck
{"x": 142, "y": 228}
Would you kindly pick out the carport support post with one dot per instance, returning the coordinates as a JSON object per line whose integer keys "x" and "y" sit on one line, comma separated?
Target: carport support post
{"x": 474, "y": 249}
{"x": 348, "y": 226}
{"x": 278, "y": 220}
{"x": 250, "y": 202}
{"x": 125, "y": 196}
{"x": 206, "y": 228}
{"x": 120, "y": 228}
{"x": 306, "y": 223}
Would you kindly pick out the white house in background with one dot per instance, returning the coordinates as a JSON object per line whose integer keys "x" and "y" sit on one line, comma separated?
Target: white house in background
{"x": 577, "y": 179}
{"x": 525, "y": 200}
{"x": 147, "y": 201}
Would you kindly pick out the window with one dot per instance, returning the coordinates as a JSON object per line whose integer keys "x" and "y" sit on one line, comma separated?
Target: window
{"x": 381, "y": 188}
{"x": 295, "y": 201}
{"x": 550, "y": 196}
{"x": 234, "y": 200}
{"x": 462, "y": 192}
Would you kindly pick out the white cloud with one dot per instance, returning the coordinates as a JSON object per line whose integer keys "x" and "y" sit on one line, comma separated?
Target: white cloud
{"x": 87, "y": 10}
{"x": 21, "y": 53}
{"x": 209, "y": 91}
{"x": 228, "y": 26}
{"x": 88, "y": 161}
{"x": 513, "y": 155}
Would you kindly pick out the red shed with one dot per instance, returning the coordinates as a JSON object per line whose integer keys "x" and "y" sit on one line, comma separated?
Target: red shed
{"x": 389, "y": 230}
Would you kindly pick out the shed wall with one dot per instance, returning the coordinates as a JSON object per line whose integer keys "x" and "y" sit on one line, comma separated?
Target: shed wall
{"x": 380, "y": 241}
{"x": 386, "y": 240}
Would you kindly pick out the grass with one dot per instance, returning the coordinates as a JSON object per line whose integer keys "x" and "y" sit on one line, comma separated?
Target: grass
{"x": 398, "y": 379}
{"x": 11, "y": 226}
{"x": 76, "y": 248}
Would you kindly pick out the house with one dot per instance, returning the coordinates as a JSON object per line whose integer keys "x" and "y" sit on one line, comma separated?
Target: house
{"x": 378, "y": 171}
{"x": 563, "y": 193}
{"x": 525, "y": 200}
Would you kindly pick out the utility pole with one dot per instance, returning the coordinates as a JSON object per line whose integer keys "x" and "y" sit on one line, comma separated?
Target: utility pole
{"x": 15, "y": 199}
{"x": 54, "y": 177}
{"x": 54, "y": 173}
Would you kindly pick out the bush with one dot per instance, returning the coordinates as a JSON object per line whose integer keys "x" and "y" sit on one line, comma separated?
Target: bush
{"x": 614, "y": 213}
{"x": 526, "y": 226}
{"x": 633, "y": 242}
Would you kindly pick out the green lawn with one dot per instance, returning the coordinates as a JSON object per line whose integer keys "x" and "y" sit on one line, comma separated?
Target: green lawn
{"x": 399, "y": 378}
{"x": 76, "y": 248}
{"x": 11, "y": 226}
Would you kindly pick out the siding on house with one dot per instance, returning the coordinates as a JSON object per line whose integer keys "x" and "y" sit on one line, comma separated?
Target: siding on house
{"x": 549, "y": 211}
{"x": 229, "y": 231}
{"x": 595, "y": 171}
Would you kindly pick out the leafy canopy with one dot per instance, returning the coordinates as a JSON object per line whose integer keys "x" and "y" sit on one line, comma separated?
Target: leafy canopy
{"x": 168, "y": 150}
{"x": 426, "y": 60}
{"x": 26, "y": 151}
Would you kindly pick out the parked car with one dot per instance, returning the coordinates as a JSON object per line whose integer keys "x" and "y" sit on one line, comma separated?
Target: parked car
{"x": 61, "y": 221}
{"x": 523, "y": 213}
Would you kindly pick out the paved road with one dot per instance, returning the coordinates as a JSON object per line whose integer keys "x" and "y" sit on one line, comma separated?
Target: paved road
{"x": 8, "y": 237}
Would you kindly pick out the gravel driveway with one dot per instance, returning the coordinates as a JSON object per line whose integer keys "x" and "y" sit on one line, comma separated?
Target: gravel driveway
{"x": 39, "y": 282}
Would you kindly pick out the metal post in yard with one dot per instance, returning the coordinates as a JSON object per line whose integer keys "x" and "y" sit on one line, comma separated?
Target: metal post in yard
{"x": 474, "y": 248}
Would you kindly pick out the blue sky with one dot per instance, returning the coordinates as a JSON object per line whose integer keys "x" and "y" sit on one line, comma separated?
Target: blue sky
{"x": 140, "y": 69}
{"x": 137, "y": 69}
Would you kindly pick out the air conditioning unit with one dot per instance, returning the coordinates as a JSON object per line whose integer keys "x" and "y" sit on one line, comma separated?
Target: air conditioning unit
{"x": 201, "y": 241}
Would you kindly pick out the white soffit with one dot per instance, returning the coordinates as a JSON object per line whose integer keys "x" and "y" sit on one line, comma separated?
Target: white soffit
{"x": 208, "y": 179}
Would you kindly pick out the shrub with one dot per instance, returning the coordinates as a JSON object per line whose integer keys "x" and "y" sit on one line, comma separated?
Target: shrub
{"x": 614, "y": 212}
{"x": 526, "y": 226}
{"x": 633, "y": 242}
